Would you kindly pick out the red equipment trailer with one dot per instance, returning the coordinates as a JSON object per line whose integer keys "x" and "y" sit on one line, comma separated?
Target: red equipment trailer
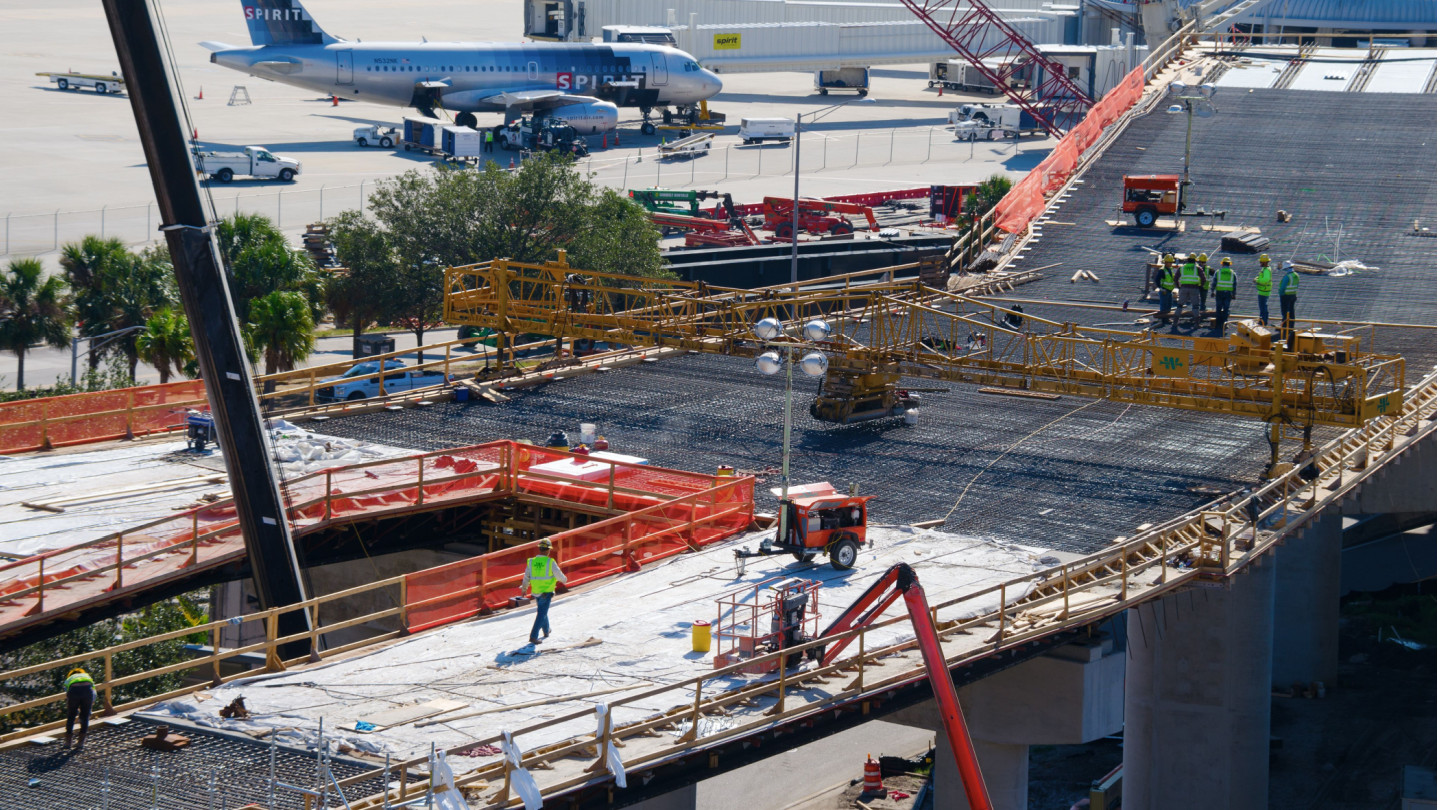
{"x": 816, "y": 216}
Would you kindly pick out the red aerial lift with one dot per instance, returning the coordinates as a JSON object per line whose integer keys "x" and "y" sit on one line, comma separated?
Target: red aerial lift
{"x": 900, "y": 581}
{"x": 816, "y": 216}
{"x": 703, "y": 231}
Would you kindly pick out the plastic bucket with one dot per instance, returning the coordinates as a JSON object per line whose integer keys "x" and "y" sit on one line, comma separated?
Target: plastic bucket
{"x": 700, "y": 637}
{"x": 587, "y": 433}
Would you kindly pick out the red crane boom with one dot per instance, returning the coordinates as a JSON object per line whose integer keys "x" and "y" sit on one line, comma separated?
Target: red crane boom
{"x": 900, "y": 581}
{"x": 966, "y": 26}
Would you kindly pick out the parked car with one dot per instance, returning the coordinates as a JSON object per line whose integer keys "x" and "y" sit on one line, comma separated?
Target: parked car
{"x": 355, "y": 384}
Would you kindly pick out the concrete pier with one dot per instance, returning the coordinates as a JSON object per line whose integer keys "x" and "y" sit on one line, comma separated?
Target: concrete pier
{"x": 1307, "y": 605}
{"x": 1197, "y": 696}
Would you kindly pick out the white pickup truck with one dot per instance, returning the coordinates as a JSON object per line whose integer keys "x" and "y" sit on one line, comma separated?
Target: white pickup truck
{"x": 255, "y": 161}
{"x": 398, "y": 377}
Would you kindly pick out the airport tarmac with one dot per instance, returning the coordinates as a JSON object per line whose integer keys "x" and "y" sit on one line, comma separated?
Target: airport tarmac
{"x": 74, "y": 164}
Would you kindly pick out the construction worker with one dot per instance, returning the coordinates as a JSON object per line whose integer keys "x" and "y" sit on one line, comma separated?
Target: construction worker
{"x": 1165, "y": 283}
{"x": 542, "y": 575}
{"x": 1262, "y": 289}
{"x": 79, "y": 700}
{"x": 1202, "y": 264}
{"x": 1223, "y": 282}
{"x": 1289, "y": 288}
{"x": 1189, "y": 289}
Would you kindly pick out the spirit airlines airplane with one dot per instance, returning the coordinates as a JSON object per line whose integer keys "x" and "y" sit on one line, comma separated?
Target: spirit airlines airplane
{"x": 583, "y": 84}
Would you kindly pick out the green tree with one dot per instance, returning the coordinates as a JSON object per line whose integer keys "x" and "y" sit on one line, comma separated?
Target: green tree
{"x": 448, "y": 217}
{"x": 89, "y": 265}
{"x": 35, "y": 311}
{"x": 281, "y": 330}
{"x": 989, "y": 193}
{"x": 166, "y": 344}
{"x": 260, "y": 261}
{"x": 357, "y": 295}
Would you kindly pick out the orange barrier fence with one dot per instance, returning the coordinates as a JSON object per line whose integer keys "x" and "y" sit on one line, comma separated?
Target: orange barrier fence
{"x": 1026, "y": 199}
{"x": 467, "y": 588}
{"x": 32, "y": 424}
{"x": 375, "y": 488}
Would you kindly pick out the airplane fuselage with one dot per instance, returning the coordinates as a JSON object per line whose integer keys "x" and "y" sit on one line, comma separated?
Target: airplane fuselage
{"x": 469, "y": 77}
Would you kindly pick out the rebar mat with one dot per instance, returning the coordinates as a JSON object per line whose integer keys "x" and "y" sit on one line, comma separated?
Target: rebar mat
{"x": 214, "y": 772}
{"x": 1077, "y": 472}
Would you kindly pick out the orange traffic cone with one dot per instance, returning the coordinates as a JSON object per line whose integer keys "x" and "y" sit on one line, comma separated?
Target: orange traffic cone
{"x": 201, "y": 96}
{"x": 334, "y": 101}
{"x": 617, "y": 137}
{"x": 512, "y": 164}
{"x": 872, "y": 776}
{"x": 942, "y": 90}
{"x": 604, "y": 141}
{"x": 195, "y": 134}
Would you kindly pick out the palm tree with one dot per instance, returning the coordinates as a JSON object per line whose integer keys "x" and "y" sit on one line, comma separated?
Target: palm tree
{"x": 88, "y": 264}
{"x": 166, "y": 344}
{"x": 35, "y": 311}
{"x": 282, "y": 330}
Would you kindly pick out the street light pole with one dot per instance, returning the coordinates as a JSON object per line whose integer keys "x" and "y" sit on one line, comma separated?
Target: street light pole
{"x": 769, "y": 331}
{"x": 795, "y": 216}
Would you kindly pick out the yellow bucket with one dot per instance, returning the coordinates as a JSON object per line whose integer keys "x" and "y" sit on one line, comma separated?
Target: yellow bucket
{"x": 700, "y": 637}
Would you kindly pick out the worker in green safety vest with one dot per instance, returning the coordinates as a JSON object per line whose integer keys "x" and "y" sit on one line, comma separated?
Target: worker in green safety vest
{"x": 1289, "y": 289}
{"x": 79, "y": 700}
{"x": 1190, "y": 282}
{"x": 1165, "y": 283}
{"x": 1262, "y": 289}
{"x": 489, "y": 140}
{"x": 1202, "y": 263}
{"x": 1223, "y": 283}
{"x": 542, "y": 577}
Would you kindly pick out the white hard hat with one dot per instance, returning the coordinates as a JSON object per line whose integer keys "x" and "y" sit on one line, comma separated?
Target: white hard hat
{"x": 1287, "y": 265}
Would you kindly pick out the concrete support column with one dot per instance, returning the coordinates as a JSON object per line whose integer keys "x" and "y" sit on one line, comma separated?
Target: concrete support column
{"x": 1070, "y": 695}
{"x": 1006, "y": 768}
{"x": 1307, "y": 605}
{"x": 1197, "y": 696}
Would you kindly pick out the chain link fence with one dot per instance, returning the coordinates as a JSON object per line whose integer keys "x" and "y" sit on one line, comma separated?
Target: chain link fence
{"x": 620, "y": 168}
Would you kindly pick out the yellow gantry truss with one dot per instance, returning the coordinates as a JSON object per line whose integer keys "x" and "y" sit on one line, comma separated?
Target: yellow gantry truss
{"x": 923, "y": 332}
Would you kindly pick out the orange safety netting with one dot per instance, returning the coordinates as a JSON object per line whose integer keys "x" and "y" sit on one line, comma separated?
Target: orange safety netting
{"x": 466, "y": 588}
{"x": 1026, "y": 199}
{"x": 78, "y": 418}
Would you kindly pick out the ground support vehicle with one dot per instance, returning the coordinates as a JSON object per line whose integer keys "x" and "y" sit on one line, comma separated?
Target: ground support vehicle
{"x": 691, "y": 146}
{"x": 384, "y": 137}
{"x": 759, "y": 130}
{"x": 973, "y": 122}
{"x": 255, "y": 161}
{"x": 820, "y": 521}
{"x": 816, "y": 216}
{"x": 961, "y": 76}
{"x": 852, "y": 78}
{"x": 460, "y": 143}
{"x": 113, "y": 83}
{"x": 541, "y": 134}
{"x": 365, "y": 380}
{"x": 422, "y": 134}
{"x": 685, "y": 120}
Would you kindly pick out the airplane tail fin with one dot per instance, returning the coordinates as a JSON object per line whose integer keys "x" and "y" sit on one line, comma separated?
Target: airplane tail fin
{"x": 282, "y": 22}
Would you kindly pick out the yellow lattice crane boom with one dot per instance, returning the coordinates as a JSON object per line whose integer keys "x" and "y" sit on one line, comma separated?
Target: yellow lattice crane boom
{"x": 884, "y": 331}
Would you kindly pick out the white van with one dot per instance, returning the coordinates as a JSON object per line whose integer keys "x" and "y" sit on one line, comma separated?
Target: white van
{"x": 755, "y": 130}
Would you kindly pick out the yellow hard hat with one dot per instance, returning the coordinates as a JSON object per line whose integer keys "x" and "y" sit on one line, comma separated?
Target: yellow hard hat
{"x": 1264, "y": 258}
{"x": 1225, "y": 261}
{"x": 75, "y": 671}
{"x": 1168, "y": 258}
{"x": 1202, "y": 257}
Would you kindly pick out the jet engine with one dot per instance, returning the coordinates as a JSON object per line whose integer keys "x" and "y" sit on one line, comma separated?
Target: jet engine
{"x": 593, "y": 118}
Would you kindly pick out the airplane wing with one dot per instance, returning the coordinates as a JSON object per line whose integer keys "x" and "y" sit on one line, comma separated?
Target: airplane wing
{"x": 531, "y": 100}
